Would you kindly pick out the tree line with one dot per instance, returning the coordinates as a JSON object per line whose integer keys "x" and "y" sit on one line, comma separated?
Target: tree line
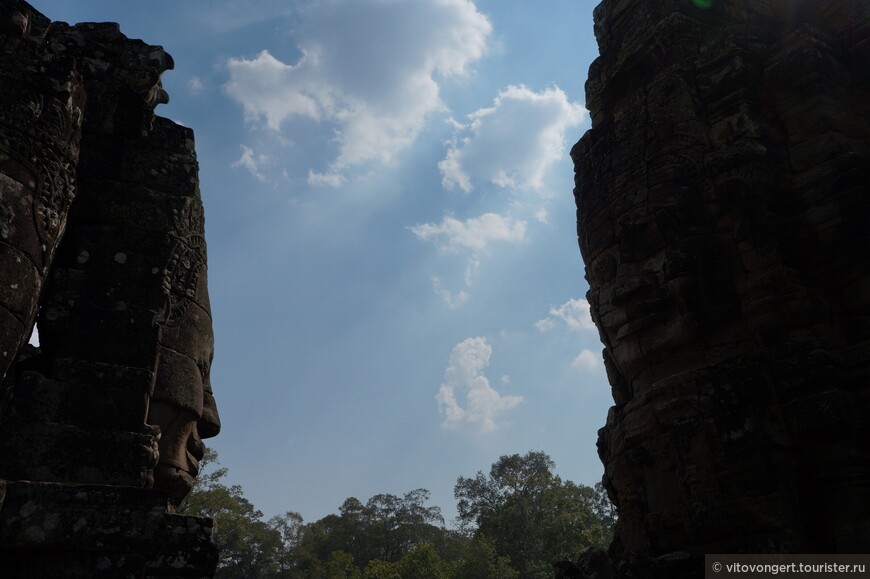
{"x": 513, "y": 523}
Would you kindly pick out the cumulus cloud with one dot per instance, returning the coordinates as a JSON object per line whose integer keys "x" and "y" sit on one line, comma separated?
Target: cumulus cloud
{"x": 252, "y": 162}
{"x": 574, "y": 314}
{"x": 585, "y": 360}
{"x": 369, "y": 68}
{"x": 474, "y": 234}
{"x": 512, "y": 143}
{"x": 545, "y": 325}
{"x": 465, "y": 375}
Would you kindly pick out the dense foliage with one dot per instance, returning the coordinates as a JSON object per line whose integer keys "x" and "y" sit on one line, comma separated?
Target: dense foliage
{"x": 513, "y": 524}
{"x": 531, "y": 515}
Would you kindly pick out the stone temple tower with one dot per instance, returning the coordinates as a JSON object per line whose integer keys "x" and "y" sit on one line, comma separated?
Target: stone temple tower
{"x": 102, "y": 245}
{"x": 722, "y": 209}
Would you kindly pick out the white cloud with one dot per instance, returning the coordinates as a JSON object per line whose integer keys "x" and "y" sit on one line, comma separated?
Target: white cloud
{"x": 369, "y": 68}
{"x": 574, "y": 314}
{"x": 542, "y": 216}
{"x": 195, "y": 86}
{"x": 512, "y": 143}
{"x": 334, "y": 180}
{"x": 465, "y": 373}
{"x": 585, "y": 360}
{"x": 471, "y": 270}
{"x": 474, "y": 234}
{"x": 545, "y": 325}
{"x": 453, "y": 300}
{"x": 251, "y": 162}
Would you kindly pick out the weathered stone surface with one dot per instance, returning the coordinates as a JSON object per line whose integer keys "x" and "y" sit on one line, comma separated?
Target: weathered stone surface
{"x": 42, "y": 104}
{"x": 597, "y": 564}
{"x": 99, "y": 531}
{"x": 722, "y": 203}
{"x": 102, "y": 233}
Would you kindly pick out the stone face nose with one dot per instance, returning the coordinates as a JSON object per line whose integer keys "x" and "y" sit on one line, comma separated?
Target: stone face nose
{"x": 719, "y": 194}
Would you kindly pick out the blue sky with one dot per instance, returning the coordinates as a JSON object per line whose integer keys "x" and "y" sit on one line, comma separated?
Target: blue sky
{"x": 396, "y": 286}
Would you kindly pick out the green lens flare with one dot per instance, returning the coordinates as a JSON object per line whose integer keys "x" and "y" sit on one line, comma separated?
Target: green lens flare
{"x": 703, "y": 4}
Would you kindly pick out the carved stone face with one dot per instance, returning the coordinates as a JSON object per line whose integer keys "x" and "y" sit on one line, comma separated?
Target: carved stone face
{"x": 182, "y": 404}
{"x": 663, "y": 289}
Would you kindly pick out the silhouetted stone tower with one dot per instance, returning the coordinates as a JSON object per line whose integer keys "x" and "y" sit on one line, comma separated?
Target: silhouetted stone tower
{"x": 101, "y": 242}
{"x": 722, "y": 210}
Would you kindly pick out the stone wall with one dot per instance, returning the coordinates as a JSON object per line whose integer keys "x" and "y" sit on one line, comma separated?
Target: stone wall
{"x": 722, "y": 209}
{"x": 102, "y": 244}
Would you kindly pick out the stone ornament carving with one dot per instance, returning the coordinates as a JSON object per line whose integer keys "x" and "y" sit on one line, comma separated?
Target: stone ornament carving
{"x": 40, "y": 119}
{"x": 186, "y": 264}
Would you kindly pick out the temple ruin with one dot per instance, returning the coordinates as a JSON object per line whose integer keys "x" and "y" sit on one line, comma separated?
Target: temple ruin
{"x": 102, "y": 246}
{"x": 722, "y": 209}
{"x": 722, "y": 202}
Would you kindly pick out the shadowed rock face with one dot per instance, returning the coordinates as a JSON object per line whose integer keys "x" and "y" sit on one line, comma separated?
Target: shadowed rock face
{"x": 722, "y": 202}
{"x": 125, "y": 323}
{"x": 102, "y": 239}
{"x": 40, "y": 130}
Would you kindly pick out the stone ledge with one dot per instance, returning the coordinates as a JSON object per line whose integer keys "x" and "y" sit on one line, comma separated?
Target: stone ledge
{"x": 70, "y": 530}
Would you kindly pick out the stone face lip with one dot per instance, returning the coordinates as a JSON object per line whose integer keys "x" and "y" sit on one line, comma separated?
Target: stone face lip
{"x": 722, "y": 207}
{"x": 102, "y": 244}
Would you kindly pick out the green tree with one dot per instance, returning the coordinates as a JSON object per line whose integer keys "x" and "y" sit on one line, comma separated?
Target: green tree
{"x": 377, "y": 569}
{"x": 400, "y": 525}
{"x": 514, "y": 523}
{"x": 249, "y": 547}
{"x": 339, "y": 565}
{"x": 481, "y": 561}
{"x": 529, "y": 514}
{"x": 385, "y": 528}
{"x": 606, "y": 513}
{"x": 288, "y": 555}
{"x": 422, "y": 562}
